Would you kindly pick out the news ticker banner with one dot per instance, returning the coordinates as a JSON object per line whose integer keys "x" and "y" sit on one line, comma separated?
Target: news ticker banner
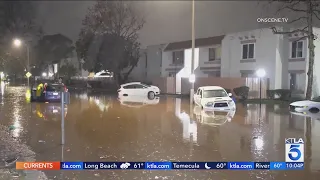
{"x": 160, "y": 165}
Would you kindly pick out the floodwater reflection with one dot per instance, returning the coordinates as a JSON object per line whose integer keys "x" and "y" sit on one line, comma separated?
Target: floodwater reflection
{"x": 137, "y": 101}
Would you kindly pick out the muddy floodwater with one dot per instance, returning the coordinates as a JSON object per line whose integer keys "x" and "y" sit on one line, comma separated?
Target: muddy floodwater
{"x": 103, "y": 128}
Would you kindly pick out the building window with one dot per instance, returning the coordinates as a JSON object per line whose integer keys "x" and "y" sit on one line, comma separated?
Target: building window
{"x": 293, "y": 81}
{"x": 212, "y": 54}
{"x": 296, "y": 49}
{"x": 247, "y": 75}
{"x": 247, "y": 51}
{"x": 178, "y": 57}
{"x": 172, "y": 74}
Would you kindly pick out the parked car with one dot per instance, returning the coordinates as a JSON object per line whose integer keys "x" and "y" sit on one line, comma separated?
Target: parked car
{"x": 214, "y": 98}
{"x": 137, "y": 101}
{"x": 50, "y": 93}
{"x": 138, "y": 89}
{"x": 306, "y": 106}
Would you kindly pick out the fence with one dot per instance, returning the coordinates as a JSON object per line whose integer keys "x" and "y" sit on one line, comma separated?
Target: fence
{"x": 169, "y": 84}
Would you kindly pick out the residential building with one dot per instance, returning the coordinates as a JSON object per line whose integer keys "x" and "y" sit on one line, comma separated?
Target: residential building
{"x": 177, "y": 58}
{"x": 284, "y": 58}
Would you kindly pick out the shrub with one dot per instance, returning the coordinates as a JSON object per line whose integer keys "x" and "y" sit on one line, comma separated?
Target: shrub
{"x": 283, "y": 94}
{"x": 271, "y": 94}
{"x": 242, "y": 91}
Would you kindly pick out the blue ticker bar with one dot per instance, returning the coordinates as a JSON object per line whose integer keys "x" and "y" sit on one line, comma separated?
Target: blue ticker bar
{"x": 181, "y": 165}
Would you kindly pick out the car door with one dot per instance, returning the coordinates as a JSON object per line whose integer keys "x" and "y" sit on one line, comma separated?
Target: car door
{"x": 141, "y": 90}
{"x": 197, "y": 96}
{"x": 128, "y": 90}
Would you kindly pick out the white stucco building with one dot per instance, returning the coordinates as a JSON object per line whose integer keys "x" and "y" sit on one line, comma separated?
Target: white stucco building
{"x": 240, "y": 54}
{"x": 284, "y": 58}
{"x": 177, "y": 57}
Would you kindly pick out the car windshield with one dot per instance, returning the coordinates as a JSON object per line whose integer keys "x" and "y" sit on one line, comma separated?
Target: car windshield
{"x": 54, "y": 88}
{"x": 214, "y": 93}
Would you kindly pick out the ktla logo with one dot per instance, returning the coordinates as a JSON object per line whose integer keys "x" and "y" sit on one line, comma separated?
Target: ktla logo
{"x": 294, "y": 150}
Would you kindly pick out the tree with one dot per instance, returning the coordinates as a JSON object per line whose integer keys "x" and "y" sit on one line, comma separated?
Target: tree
{"x": 53, "y": 49}
{"x": 17, "y": 20}
{"x": 110, "y": 28}
{"x": 67, "y": 70}
{"x": 308, "y": 10}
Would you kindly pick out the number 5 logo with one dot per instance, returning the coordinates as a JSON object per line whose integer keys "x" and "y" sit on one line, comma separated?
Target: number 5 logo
{"x": 294, "y": 149}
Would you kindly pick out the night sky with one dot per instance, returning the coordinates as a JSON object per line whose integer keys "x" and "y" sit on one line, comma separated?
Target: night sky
{"x": 166, "y": 21}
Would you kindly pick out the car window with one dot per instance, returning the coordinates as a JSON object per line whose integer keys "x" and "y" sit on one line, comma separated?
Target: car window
{"x": 215, "y": 93}
{"x": 129, "y": 87}
{"x": 146, "y": 85}
{"x": 104, "y": 74}
{"x": 200, "y": 93}
{"x": 54, "y": 88}
{"x": 139, "y": 86}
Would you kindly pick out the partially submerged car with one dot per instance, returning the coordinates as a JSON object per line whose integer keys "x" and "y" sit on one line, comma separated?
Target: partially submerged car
{"x": 306, "y": 106}
{"x": 138, "y": 89}
{"x": 49, "y": 92}
{"x": 214, "y": 98}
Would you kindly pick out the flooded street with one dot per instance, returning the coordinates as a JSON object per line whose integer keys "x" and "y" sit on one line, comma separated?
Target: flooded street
{"x": 104, "y": 128}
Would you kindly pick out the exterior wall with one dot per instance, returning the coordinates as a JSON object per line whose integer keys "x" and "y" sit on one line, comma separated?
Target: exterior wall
{"x": 299, "y": 65}
{"x": 264, "y": 54}
{"x": 167, "y": 65}
{"x": 272, "y": 53}
{"x": 316, "y": 73}
{"x": 206, "y": 66}
{"x": 202, "y": 65}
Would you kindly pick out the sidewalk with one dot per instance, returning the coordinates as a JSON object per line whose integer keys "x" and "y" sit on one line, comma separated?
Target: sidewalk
{"x": 11, "y": 151}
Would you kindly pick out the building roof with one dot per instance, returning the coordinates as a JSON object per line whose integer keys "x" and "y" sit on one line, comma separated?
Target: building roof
{"x": 198, "y": 43}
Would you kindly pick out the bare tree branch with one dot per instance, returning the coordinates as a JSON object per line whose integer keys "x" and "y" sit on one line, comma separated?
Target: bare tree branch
{"x": 300, "y": 38}
{"x": 295, "y": 20}
{"x": 275, "y": 31}
{"x": 315, "y": 14}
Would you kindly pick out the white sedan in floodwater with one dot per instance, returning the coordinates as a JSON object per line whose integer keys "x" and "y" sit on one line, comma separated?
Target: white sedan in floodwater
{"x": 306, "y": 106}
{"x": 138, "y": 89}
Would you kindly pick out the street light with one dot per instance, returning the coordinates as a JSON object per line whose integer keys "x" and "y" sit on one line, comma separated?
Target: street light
{"x": 44, "y": 74}
{"x": 260, "y": 73}
{"x": 18, "y": 43}
{"x": 192, "y": 55}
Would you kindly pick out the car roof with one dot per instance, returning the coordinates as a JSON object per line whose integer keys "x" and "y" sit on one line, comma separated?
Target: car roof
{"x": 131, "y": 83}
{"x": 210, "y": 87}
{"x": 55, "y": 84}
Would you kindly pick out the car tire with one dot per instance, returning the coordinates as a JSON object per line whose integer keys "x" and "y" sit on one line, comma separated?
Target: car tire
{"x": 151, "y": 95}
{"x": 314, "y": 110}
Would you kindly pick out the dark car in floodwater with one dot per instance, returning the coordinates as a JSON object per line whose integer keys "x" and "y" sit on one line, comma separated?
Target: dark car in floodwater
{"x": 50, "y": 92}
